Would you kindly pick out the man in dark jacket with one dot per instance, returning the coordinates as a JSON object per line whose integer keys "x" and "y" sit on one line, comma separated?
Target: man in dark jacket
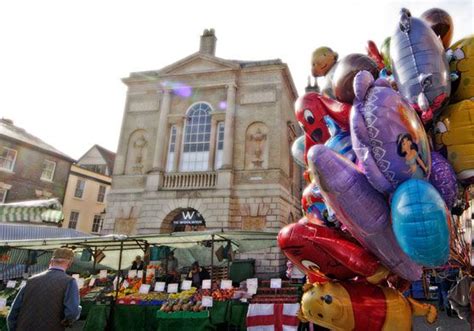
{"x": 50, "y": 300}
{"x": 197, "y": 275}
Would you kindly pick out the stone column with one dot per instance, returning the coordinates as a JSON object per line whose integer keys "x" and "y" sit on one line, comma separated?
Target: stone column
{"x": 160, "y": 146}
{"x": 229, "y": 128}
{"x": 177, "y": 147}
{"x": 212, "y": 145}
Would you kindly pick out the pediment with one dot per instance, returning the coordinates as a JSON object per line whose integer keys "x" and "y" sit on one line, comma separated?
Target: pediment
{"x": 197, "y": 63}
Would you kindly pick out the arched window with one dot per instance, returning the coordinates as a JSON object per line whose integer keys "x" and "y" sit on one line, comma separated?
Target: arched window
{"x": 171, "y": 150}
{"x": 197, "y": 136}
{"x": 219, "y": 146}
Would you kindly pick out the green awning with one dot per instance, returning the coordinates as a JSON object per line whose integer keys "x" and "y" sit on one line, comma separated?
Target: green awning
{"x": 36, "y": 211}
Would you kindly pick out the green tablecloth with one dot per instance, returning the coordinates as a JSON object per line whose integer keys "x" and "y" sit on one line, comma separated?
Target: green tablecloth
{"x": 3, "y": 324}
{"x": 184, "y": 321}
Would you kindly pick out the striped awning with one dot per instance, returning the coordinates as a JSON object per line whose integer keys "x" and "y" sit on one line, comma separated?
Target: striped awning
{"x": 36, "y": 211}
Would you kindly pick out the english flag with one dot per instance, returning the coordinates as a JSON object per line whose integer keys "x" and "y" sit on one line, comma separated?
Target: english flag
{"x": 273, "y": 317}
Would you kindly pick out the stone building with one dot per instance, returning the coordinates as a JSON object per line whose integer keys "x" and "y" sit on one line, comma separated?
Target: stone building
{"x": 205, "y": 144}
{"x": 30, "y": 169}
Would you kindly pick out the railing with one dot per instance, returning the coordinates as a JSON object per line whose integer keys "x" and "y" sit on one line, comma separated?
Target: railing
{"x": 189, "y": 180}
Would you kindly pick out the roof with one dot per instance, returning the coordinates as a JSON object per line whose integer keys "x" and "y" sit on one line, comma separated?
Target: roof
{"x": 10, "y": 231}
{"x": 248, "y": 64}
{"x": 11, "y": 131}
{"x": 108, "y": 156}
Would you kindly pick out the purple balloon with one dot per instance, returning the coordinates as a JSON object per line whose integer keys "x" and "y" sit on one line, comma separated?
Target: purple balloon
{"x": 443, "y": 179}
{"x": 387, "y": 135}
{"x": 360, "y": 208}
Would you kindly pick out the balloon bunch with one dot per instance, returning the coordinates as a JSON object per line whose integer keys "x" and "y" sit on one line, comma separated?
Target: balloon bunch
{"x": 385, "y": 146}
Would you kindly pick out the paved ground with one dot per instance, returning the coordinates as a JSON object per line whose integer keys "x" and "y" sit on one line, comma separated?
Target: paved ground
{"x": 444, "y": 323}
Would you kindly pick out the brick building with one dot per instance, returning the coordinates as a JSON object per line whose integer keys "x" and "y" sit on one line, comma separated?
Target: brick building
{"x": 205, "y": 144}
{"x": 30, "y": 169}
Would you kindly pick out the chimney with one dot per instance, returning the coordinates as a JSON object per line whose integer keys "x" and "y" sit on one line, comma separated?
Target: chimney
{"x": 208, "y": 42}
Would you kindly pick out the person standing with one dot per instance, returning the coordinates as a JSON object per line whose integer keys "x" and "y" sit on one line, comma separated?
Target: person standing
{"x": 50, "y": 300}
{"x": 197, "y": 275}
{"x": 138, "y": 263}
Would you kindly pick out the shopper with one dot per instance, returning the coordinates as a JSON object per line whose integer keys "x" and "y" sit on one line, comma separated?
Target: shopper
{"x": 49, "y": 300}
{"x": 172, "y": 268}
{"x": 197, "y": 275}
{"x": 138, "y": 263}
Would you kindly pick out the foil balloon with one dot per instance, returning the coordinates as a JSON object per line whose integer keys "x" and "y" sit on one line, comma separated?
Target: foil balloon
{"x": 323, "y": 64}
{"x": 310, "y": 196}
{"x": 441, "y": 23}
{"x": 342, "y": 144}
{"x": 325, "y": 253}
{"x": 385, "y": 52}
{"x": 463, "y": 65}
{"x": 360, "y": 208}
{"x": 311, "y": 110}
{"x": 297, "y": 151}
{"x": 454, "y": 135}
{"x": 443, "y": 179}
{"x": 374, "y": 53}
{"x": 342, "y": 306}
{"x": 420, "y": 67}
{"x": 420, "y": 223}
{"x": 387, "y": 135}
{"x": 345, "y": 72}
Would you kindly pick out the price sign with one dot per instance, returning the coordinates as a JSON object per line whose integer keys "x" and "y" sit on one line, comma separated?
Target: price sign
{"x": 23, "y": 283}
{"x": 80, "y": 282}
{"x": 144, "y": 289}
{"x": 11, "y": 284}
{"x": 132, "y": 274}
{"x": 226, "y": 284}
{"x": 76, "y": 276}
{"x": 173, "y": 288}
{"x": 92, "y": 282}
{"x": 125, "y": 284}
{"x": 275, "y": 283}
{"x": 207, "y": 301}
{"x": 103, "y": 274}
{"x": 140, "y": 273}
{"x": 160, "y": 286}
{"x": 3, "y": 303}
{"x": 252, "y": 282}
{"x": 206, "y": 284}
{"x": 251, "y": 290}
{"x": 186, "y": 285}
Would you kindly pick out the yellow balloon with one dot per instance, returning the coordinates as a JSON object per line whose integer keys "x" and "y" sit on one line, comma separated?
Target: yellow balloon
{"x": 463, "y": 65}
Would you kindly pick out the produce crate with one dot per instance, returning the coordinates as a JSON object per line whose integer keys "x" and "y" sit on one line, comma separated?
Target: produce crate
{"x": 218, "y": 272}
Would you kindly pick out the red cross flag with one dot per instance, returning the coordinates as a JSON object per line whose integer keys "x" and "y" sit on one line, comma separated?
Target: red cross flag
{"x": 273, "y": 317}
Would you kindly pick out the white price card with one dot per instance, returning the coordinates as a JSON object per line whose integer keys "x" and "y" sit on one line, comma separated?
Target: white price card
{"x": 80, "y": 283}
{"x": 140, "y": 274}
{"x": 207, "y": 301}
{"x": 103, "y": 274}
{"x": 226, "y": 284}
{"x": 76, "y": 276}
{"x": 251, "y": 290}
{"x": 125, "y": 284}
{"x": 206, "y": 284}
{"x": 23, "y": 283}
{"x": 160, "y": 286}
{"x": 173, "y": 288}
{"x": 132, "y": 274}
{"x": 144, "y": 289}
{"x": 3, "y": 303}
{"x": 275, "y": 283}
{"x": 252, "y": 282}
{"x": 92, "y": 282}
{"x": 185, "y": 285}
{"x": 11, "y": 284}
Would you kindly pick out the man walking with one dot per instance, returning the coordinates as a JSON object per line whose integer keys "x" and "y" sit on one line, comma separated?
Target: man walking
{"x": 50, "y": 300}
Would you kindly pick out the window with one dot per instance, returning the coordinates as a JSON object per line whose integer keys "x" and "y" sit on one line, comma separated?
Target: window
{"x": 99, "y": 168}
{"x": 171, "y": 150}
{"x": 7, "y": 158}
{"x": 97, "y": 224}
{"x": 80, "y": 185}
{"x": 48, "y": 170}
{"x": 197, "y": 135}
{"x": 219, "y": 145}
{"x": 101, "y": 195}
{"x": 3, "y": 195}
{"x": 73, "y": 219}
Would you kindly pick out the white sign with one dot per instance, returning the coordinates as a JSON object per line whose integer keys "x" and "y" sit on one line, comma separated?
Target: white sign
{"x": 132, "y": 274}
{"x": 252, "y": 282}
{"x": 103, "y": 274}
{"x": 226, "y": 284}
{"x": 23, "y": 283}
{"x": 186, "y": 285}
{"x": 144, "y": 289}
{"x": 11, "y": 284}
{"x": 125, "y": 284}
{"x": 160, "y": 286}
{"x": 251, "y": 290}
{"x": 275, "y": 283}
{"x": 207, "y": 301}
{"x": 76, "y": 276}
{"x": 206, "y": 284}
{"x": 140, "y": 274}
{"x": 80, "y": 282}
{"x": 92, "y": 282}
{"x": 173, "y": 288}
{"x": 3, "y": 303}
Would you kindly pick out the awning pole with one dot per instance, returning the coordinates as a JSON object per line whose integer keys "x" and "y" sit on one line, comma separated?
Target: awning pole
{"x": 95, "y": 257}
{"x": 228, "y": 259}
{"x": 212, "y": 258}
{"x": 110, "y": 321}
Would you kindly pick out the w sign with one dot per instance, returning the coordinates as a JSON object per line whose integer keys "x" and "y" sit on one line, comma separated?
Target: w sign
{"x": 189, "y": 217}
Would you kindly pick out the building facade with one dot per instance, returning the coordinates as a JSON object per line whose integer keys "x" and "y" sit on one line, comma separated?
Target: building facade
{"x": 30, "y": 169}
{"x": 205, "y": 144}
{"x": 87, "y": 189}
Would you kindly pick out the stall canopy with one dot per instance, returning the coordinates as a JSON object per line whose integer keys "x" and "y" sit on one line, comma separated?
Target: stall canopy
{"x": 35, "y": 211}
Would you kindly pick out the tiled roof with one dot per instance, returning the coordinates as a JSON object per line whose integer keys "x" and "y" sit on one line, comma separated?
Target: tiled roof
{"x": 108, "y": 156}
